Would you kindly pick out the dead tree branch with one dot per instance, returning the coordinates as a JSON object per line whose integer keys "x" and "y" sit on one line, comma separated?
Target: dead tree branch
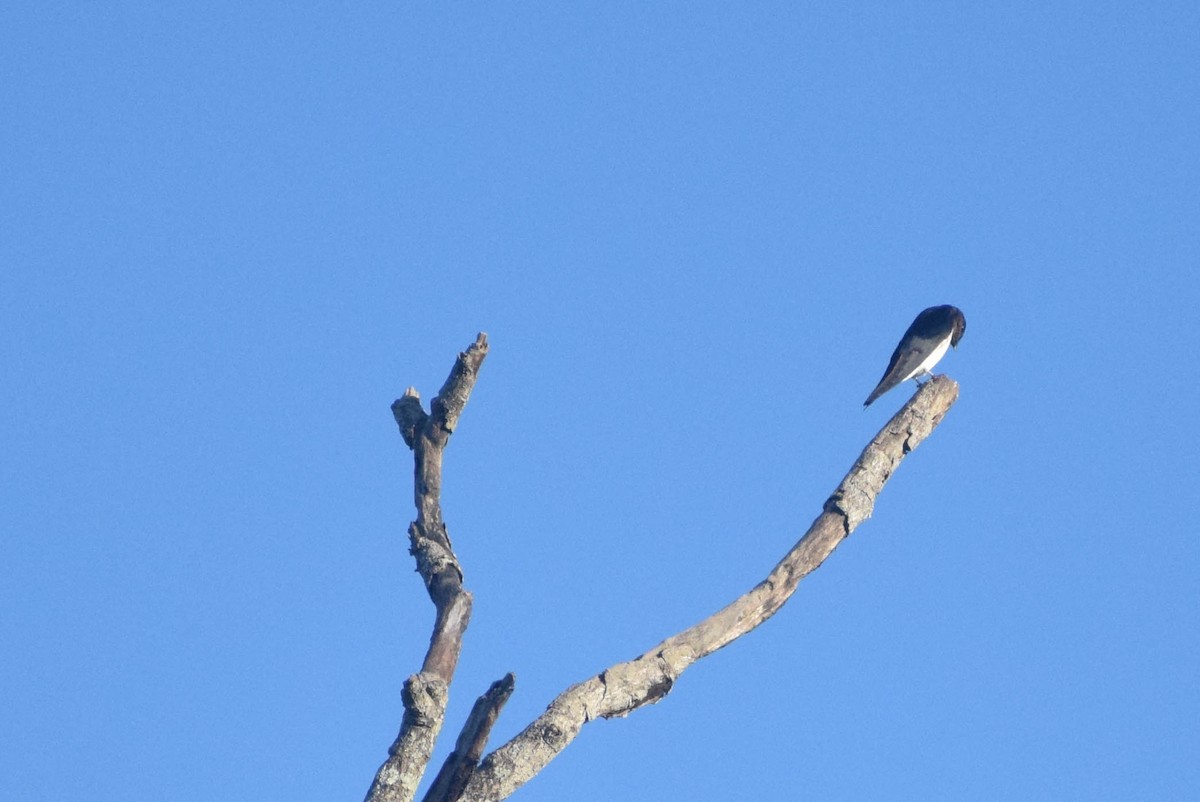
{"x": 623, "y": 688}
{"x": 461, "y": 763}
{"x": 425, "y": 693}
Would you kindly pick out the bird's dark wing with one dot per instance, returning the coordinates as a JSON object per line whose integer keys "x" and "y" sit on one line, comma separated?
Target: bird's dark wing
{"x": 905, "y": 360}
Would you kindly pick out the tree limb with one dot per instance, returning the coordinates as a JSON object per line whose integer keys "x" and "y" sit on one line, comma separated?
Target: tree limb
{"x": 624, "y": 687}
{"x": 452, "y": 779}
{"x": 425, "y": 693}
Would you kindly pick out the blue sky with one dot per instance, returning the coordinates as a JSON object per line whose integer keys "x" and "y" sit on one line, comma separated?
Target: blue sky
{"x": 232, "y": 235}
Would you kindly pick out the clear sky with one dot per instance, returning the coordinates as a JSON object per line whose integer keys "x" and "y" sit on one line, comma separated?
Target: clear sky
{"x": 232, "y": 234}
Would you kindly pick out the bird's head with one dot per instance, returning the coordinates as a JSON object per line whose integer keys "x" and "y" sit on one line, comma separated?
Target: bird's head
{"x": 960, "y": 326}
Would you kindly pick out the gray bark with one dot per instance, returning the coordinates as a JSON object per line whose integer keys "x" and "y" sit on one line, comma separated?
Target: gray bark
{"x": 426, "y": 693}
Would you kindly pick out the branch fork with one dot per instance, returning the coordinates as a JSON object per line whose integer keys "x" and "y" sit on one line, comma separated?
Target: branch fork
{"x": 624, "y": 687}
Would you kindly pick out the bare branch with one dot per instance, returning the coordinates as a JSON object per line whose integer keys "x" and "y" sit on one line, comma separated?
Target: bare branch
{"x": 425, "y": 693}
{"x": 623, "y": 688}
{"x": 461, "y": 763}
{"x": 454, "y": 393}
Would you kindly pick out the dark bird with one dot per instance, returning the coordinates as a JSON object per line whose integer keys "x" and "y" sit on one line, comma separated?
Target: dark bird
{"x": 928, "y": 338}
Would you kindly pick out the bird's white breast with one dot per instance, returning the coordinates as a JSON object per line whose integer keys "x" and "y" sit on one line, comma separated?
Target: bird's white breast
{"x": 931, "y": 360}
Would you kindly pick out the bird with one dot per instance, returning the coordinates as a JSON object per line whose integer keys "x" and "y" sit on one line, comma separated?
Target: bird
{"x": 933, "y": 332}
